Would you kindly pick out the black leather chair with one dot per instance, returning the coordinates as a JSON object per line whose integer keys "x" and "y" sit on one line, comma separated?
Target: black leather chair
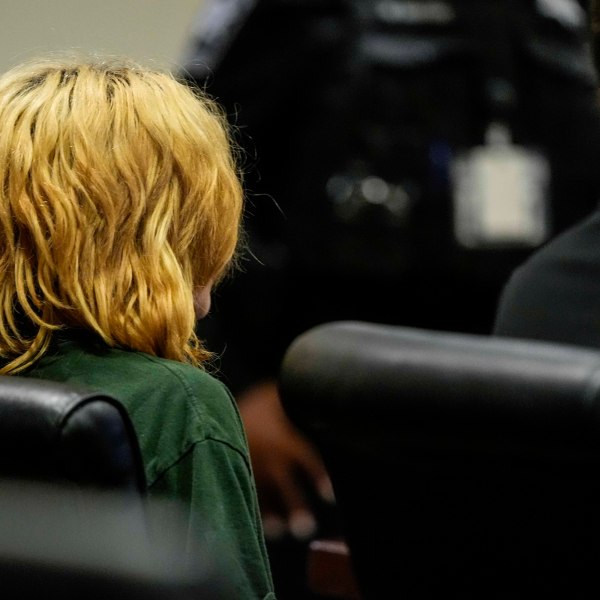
{"x": 59, "y": 433}
{"x": 464, "y": 466}
{"x": 75, "y": 520}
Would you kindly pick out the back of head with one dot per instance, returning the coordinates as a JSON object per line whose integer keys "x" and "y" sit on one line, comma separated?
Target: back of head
{"x": 119, "y": 195}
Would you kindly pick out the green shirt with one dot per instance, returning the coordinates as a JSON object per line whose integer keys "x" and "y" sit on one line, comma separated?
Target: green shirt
{"x": 192, "y": 441}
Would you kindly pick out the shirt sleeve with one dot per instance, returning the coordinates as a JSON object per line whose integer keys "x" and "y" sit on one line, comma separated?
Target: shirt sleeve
{"x": 214, "y": 483}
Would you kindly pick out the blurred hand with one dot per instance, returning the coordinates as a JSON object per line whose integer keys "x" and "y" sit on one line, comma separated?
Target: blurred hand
{"x": 284, "y": 464}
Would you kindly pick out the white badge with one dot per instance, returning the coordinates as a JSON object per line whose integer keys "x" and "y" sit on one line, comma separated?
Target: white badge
{"x": 500, "y": 194}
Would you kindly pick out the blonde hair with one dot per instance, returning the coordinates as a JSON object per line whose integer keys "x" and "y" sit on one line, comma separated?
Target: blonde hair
{"x": 119, "y": 194}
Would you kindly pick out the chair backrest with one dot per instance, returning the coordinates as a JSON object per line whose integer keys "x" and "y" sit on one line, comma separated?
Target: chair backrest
{"x": 464, "y": 466}
{"x": 60, "y": 433}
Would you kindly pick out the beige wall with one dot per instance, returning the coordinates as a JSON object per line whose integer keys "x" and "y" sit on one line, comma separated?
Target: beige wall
{"x": 149, "y": 31}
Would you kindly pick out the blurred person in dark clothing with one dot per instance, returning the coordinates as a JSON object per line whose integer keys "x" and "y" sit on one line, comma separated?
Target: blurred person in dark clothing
{"x": 555, "y": 295}
{"x": 354, "y": 115}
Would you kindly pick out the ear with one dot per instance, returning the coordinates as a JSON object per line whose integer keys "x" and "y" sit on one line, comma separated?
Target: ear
{"x": 202, "y": 300}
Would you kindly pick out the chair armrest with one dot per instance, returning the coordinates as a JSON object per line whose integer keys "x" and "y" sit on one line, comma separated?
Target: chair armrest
{"x": 329, "y": 570}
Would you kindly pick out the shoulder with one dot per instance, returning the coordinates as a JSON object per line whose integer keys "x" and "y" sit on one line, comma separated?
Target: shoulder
{"x": 574, "y": 254}
{"x": 553, "y": 294}
{"x": 204, "y": 401}
{"x": 176, "y": 408}
{"x": 192, "y": 381}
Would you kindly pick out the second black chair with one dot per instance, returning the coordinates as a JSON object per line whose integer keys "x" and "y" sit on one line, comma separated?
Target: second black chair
{"x": 464, "y": 466}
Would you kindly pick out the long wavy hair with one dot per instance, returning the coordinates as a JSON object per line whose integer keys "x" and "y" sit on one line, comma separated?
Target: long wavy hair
{"x": 120, "y": 193}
